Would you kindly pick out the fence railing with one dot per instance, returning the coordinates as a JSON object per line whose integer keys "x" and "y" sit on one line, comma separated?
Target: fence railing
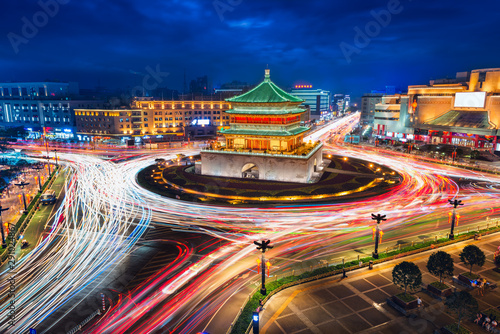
{"x": 84, "y": 322}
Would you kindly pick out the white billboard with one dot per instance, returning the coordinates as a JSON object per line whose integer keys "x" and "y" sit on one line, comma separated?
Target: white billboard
{"x": 470, "y": 100}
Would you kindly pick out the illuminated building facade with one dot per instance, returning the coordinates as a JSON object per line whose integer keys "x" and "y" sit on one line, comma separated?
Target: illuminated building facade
{"x": 464, "y": 111}
{"x": 192, "y": 118}
{"x": 317, "y": 99}
{"x": 265, "y": 139}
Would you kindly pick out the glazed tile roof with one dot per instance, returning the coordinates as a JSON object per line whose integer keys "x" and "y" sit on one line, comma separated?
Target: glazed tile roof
{"x": 266, "y": 112}
{"x": 283, "y": 133}
{"x": 265, "y": 92}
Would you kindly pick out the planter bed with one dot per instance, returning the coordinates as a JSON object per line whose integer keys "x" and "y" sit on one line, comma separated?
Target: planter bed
{"x": 408, "y": 302}
{"x": 439, "y": 289}
{"x": 453, "y": 329}
{"x": 467, "y": 278}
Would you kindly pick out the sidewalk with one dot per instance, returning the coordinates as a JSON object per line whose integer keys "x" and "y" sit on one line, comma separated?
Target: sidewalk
{"x": 36, "y": 227}
{"x": 358, "y": 304}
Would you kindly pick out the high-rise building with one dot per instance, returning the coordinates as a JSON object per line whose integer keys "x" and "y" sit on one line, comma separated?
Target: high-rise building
{"x": 199, "y": 86}
{"x": 317, "y": 100}
{"x": 368, "y": 102}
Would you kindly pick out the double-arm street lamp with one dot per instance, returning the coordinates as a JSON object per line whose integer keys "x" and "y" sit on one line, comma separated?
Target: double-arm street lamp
{"x": 22, "y": 185}
{"x": 55, "y": 156}
{"x": 4, "y": 243}
{"x": 263, "y": 246}
{"x": 38, "y": 169}
{"x": 379, "y": 218}
{"x": 455, "y": 204}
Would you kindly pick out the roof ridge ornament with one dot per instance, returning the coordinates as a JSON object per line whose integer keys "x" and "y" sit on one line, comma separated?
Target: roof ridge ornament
{"x": 268, "y": 75}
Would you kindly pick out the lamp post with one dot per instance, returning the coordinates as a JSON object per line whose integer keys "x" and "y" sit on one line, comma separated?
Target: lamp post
{"x": 22, "y": 185}
{"x": 379, "y": 218}
{"x": 55, "y": 156}
{"x": 455, "y": 204}
{"x": 454, "y": 154}
{"x": 263, "y": 246}
{"x": 38, "y": 168}
{"x": 4, "y": 243}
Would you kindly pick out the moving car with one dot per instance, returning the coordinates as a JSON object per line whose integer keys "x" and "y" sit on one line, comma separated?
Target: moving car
{"x": 48, "y": 197}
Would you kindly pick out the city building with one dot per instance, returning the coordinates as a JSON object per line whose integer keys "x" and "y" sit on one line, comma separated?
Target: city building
{"x": 199, "y": 86}
{"x": 464, "y": 111}
{"x": 317, "y": 100}
{"x": 265, "y": 139}
{"x": 195, "y": 119}
{"x": 341, "y": 103}
{"x": 368, "y": 102}
{"x": 391, "y": 117}
{"x": 38, "y": 90}
{"x": 42, "y": 108}
{"x": 102, "y": 124}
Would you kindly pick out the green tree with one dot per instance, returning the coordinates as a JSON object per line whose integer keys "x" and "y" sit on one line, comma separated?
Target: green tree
{"x": 471, "y": 255}
{"x": 407, "y": 275}
{"x": 462, "y": 304}
{"x": 440, "y": 264}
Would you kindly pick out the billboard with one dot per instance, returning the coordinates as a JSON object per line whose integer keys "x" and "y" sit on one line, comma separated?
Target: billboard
{"x": 470, "y": 100}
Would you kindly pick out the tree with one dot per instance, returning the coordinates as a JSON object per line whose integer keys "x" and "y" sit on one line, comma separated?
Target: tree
{"x": 440, "y": 264}
{"x": 462, "y": 304}
{"x": 407, "y": 275}
{"x": 471, "y": 255}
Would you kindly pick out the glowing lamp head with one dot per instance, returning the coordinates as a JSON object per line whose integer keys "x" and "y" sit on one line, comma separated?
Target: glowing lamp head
{"x": 255, "y": 317}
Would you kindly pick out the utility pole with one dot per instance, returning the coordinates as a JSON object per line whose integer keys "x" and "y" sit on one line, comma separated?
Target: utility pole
{"x": 455, "y": 204}
{"x": 263, "y": 246}
{"x": 4, "y": 243}
{"x": 379, "y": 218}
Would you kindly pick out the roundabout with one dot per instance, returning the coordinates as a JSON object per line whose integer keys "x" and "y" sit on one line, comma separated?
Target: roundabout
{"x": 340, "y": 179}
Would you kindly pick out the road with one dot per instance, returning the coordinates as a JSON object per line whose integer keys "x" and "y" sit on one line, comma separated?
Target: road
{"x": 105, "y": 214}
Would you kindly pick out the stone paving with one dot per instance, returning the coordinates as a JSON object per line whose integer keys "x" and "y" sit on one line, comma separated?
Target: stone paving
{"x": 358, "y": 304}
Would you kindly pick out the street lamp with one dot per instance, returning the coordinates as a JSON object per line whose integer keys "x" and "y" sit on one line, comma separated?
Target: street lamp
{"x": 455, "y": 204}
{"x": 4, "y": 243}
{"x": 379, "y": 218}
{"x": 22, "y": 185}
{"x": 263, "y": 246}
{"x": 38, "y": 168}
{"x": 55, "y": 156}
{"x": 48, "y": 164}
{"x": 454, "y": 154}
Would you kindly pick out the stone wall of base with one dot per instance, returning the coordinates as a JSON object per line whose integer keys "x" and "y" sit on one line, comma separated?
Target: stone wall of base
{"x": 275, "y": 168}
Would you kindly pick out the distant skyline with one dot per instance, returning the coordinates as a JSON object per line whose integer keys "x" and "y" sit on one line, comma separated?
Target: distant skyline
{"x": 349, "y": 47}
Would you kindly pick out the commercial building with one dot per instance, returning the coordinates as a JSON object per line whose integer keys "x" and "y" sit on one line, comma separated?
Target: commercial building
{"x": 159, "y": 118}
{"x": 317, "y": 100}
{"x": 464, "y": 111}
{"x": 42, "y": 108}
{"x": 264, "y": 140}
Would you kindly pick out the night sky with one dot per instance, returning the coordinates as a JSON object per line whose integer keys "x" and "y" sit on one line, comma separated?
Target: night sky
{"x": 113, "y": 42}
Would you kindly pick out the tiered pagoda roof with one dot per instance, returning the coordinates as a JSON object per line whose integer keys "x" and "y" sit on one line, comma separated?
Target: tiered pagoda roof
{"x": 266, "y": 92}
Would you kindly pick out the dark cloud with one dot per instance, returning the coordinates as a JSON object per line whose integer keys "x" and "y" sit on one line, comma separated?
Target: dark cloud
{"x": 114, "y": 41}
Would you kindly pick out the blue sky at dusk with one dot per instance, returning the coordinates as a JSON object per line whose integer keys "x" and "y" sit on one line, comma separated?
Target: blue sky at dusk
{"x": 114, "y": 41}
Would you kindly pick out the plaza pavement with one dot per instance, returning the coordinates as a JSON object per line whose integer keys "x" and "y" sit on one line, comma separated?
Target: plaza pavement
{"x": 358, "y": 304}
